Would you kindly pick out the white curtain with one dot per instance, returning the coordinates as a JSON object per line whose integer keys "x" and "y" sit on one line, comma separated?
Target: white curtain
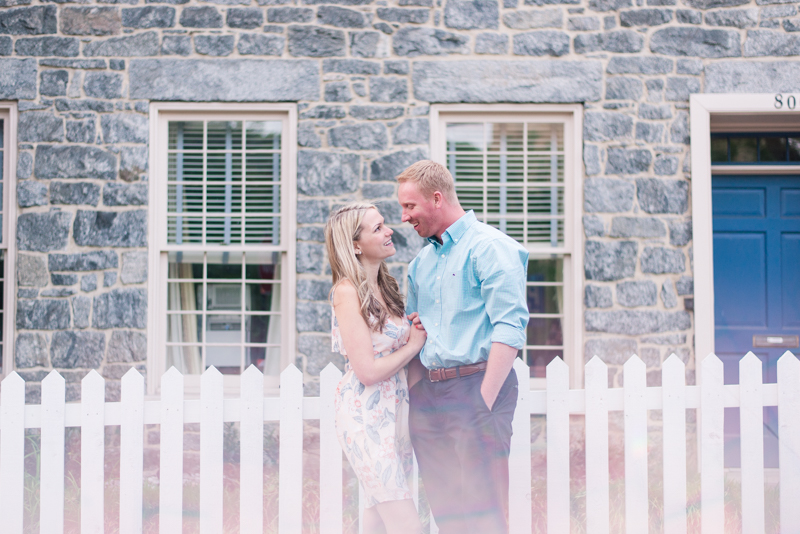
{"x": 183, "y": 328}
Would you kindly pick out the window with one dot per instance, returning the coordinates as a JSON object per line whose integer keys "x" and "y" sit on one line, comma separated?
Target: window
{"x": 755, "y": 148}
{"x": 7, "y": 163}
{"x": 518, "y": 169}
{"x": 224, "y": 191}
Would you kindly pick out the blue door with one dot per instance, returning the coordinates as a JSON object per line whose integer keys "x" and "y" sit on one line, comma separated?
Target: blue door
{"x": 756, "y": 285}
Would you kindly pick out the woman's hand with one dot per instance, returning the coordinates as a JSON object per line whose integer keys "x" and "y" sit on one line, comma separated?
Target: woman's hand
{"x": 417, "y": 337}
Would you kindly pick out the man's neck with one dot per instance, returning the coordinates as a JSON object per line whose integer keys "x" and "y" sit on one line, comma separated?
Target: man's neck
{"x": 450, "y": 218}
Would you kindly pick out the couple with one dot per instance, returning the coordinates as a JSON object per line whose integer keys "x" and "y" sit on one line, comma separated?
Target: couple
{"x": 465, "y": 317}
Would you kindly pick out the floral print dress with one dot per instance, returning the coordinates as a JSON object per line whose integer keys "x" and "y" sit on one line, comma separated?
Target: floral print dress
{"x": 372, "y": 421}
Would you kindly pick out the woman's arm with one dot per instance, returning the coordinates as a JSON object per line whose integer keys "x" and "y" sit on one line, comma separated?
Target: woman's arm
{"x": 358, "y": 341}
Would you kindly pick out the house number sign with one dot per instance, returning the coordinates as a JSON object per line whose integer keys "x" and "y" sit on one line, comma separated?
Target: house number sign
{"x": 785, "y": 101}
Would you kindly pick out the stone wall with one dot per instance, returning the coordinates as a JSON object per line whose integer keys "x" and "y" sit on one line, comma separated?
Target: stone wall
{"x": 364, "y": 73}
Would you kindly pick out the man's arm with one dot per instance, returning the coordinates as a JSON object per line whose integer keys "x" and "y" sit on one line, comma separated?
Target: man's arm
{"x": 501, "y": 270}
{"x": 501, "y": 360}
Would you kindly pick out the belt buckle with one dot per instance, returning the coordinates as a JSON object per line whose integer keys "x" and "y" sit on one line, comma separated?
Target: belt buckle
{"x": 438, "y": 373}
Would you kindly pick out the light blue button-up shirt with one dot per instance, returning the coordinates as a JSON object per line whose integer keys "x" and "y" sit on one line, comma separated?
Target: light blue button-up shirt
{"x": 469, "y": 292}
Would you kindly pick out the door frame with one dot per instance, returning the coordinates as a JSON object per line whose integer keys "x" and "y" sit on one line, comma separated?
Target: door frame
{"x": 745, "y": 112}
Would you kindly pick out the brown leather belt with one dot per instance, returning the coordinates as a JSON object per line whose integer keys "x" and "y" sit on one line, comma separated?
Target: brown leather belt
{"x": 440, "y": 375}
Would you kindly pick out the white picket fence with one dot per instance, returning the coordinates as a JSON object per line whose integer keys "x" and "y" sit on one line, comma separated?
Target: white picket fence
{"x": 251, "y": 410}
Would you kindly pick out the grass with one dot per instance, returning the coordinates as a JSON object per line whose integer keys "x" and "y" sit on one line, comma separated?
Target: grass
{"x": 311, "y": 510}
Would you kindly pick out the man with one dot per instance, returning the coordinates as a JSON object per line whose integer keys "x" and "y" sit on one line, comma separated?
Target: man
{"x": 467, "y": 288}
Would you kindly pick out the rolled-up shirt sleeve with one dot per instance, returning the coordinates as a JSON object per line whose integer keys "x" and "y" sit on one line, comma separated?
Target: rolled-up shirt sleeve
{"x": 501, "y": 268}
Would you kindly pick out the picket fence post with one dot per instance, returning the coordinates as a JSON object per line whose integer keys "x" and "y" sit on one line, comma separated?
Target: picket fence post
{"x": 712, "y": 453}
{"x": 170, "y": 513}
{"x": 673, "y": 389}
{"x": 12, "y": 452}
{"x": 635, "y": 415}
{"x": 251, "y": 458}
{"x": 290, "y": 475}
{"x": 131, "y": 454}
{"x": 789, "y": 444}
{"x": 211, "y": 441}
{"x": 93, "y": 394}
{"x": 330, "y": 455}
{"x": 751, "y": 413}
{"x": 51, "y": 500}
{"x": 558, "y": 516}
{"x": 597, "y": 493}
{"x": 519, "y": 461}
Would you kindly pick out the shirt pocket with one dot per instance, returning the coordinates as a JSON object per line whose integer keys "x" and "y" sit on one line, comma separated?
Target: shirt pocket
{"x": 459, "y": 290}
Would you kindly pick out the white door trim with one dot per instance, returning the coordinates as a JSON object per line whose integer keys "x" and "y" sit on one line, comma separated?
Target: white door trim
{"x": 702, "y": 106}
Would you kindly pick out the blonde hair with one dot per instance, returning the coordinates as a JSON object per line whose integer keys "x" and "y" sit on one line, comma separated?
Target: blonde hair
{"x": 430, "y": 177}
{"x": 341, "y": 231}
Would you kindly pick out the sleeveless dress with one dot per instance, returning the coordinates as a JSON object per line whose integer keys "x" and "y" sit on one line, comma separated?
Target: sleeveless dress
{"x": 372, "y": 421}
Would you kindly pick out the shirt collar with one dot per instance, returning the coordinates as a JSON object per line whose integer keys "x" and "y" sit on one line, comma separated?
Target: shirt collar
{"x": 457, "y": 229}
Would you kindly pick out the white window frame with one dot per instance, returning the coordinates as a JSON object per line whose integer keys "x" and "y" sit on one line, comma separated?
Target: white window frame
{"x": 571, "y": 116}
{"x": 160, "y": 114}
{"x": 8, "y": 112}
{"x": 749, "y": 112}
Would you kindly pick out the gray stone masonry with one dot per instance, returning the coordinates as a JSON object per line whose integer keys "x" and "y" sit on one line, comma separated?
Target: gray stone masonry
{"x": 364, "y": 74}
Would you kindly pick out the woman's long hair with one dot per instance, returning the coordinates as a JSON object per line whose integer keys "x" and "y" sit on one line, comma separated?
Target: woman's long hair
{"x": 341, "y": 231}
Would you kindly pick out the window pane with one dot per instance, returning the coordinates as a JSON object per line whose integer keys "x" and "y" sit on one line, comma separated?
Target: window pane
{"x": 2, "y": 134}
{"x": 743, "y": 149}
{"x": 549, "y": 270}
{"x": 263, "y": 167}
{"x": 505, "y": 168}
{"x": 224, "y": 265}
{"x": 263, "y": 135}
{"x": 772, "y": 149}
{"x": 184, "y": 328}
{"x": 506, "y": 137}
{"x": 545, "y": 137}
{"x": 185, "y": 135}
{"x": 224, "y": 297}
{"x": 545, "y": 331}
{"x": 186, "y": 359}
{"x": 263, "y": 329}
{"x": 462, "y": 137}
{"x": 224, "y": 135}
{"x": 183, "y": 198}
{"x": 719, "y": 149}
{"x": 794, "y": 148}
{"x": 545, "y": 299}
{"x": 182, "y": 230}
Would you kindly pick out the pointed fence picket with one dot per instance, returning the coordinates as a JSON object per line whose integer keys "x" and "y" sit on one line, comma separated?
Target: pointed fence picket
{"x": 93, "y": 394}
{"x": 251, "y": 409}
{"x": 12, "y": 452}
{"x": 251, "y": 464}
{"x": 673, "y": 387}
{"x": 712, "y": 452}
{"x": 635, "y": 414}
{"x": 558, "y": 447}
{"x": 51, "y": 496}
{"x": 751, "y": 416}
{"x": 211, "y": 440}
{"x": 789, "y": 444}
{"x": 131, "y": 453}
{"x": 330, "y": 455}
{"x": 597, "y": 494}
{"x": 170, "y": 512}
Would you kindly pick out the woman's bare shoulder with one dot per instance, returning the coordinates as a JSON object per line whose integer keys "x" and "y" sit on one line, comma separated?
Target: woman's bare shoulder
{"x": 344, "y": 293}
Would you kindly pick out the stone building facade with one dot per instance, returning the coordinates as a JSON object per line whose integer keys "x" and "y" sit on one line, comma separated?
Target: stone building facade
{"x": 364, "y": 75}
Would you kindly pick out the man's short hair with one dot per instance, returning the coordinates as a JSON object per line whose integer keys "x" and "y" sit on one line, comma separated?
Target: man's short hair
{"x": 430, "y": 177}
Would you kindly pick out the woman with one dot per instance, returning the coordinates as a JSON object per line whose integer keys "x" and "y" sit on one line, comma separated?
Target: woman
{"x": 370, "y": 330}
